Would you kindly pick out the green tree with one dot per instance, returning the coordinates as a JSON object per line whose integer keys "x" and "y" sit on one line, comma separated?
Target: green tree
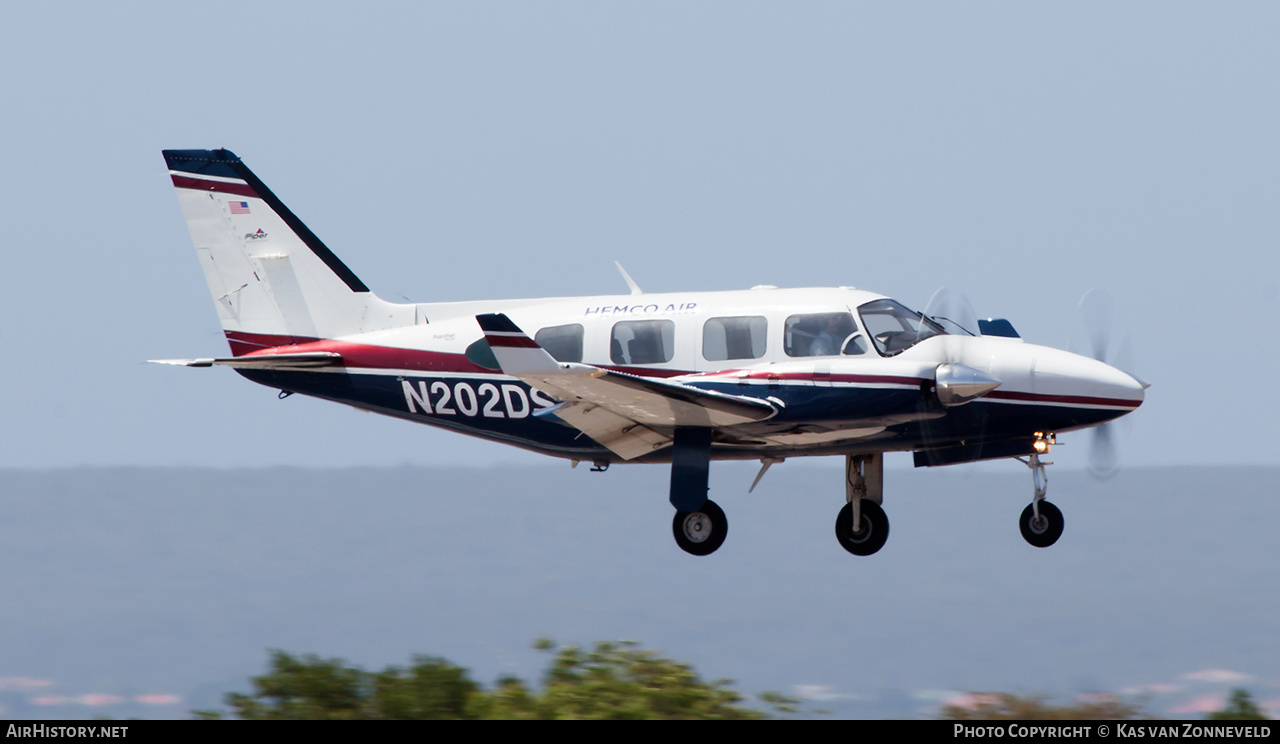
{"x": 312, "y": 688}
{"x": 623, "y": 681}
{"x": 431, "y": 689}
{"x": 1240, "y": 707}
{"x": 990, "y": 706}
{"x": 308, "y": 688}
{"x": 610, "y": 681}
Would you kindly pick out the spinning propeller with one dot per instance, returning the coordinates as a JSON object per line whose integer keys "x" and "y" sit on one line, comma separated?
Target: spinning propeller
{"x": 1097, "y": 311}
{"x": 957, "y": 383}
{"x": 952, "y": 309}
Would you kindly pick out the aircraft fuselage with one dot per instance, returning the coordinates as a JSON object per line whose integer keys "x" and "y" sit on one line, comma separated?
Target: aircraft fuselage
{"x": 837, "y": 404}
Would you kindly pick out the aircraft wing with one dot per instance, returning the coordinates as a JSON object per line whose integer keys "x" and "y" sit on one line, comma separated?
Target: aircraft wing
{"x": 262, "y": 361}
{"x": 630, "y": 415}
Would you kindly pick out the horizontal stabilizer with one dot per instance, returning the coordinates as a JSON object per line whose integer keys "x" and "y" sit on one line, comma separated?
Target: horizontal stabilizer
{"x": 262, "y": 361}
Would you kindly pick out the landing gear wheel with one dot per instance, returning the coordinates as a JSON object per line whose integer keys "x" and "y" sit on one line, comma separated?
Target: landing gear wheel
{"x": 701, "y": 532}
{"x": 872, "y": 533}
{"x": 1044, "y": 531}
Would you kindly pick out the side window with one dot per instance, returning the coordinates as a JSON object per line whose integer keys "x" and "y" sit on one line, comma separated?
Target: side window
{"x": 818, "y": 334}
{"x": 642, "y": 342}
{"x": 563, "y": 342}
{"x": 734, "y": 338}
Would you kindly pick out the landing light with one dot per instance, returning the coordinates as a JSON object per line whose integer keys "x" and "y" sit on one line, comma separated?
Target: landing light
{"x": 1041, "y": 445}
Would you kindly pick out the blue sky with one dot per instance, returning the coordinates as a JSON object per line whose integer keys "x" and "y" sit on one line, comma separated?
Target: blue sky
{"x": 1021, "y": 153}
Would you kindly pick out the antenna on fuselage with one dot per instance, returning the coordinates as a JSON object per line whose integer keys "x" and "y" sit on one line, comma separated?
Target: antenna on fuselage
{"x": 635, "y": 288}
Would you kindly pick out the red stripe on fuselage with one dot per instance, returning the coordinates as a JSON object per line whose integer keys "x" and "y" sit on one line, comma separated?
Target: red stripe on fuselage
{"x": 733, "y": 375}
{"x": 514, "y": 342}
{"x": 1075, "y": 400}
{"x": 367, "y": 356}
{"x": 222, "y": 187}
{"x": 861, "y": 379}
{"x": 385, "y": 357}
{"x": 247, "y": 343}
{"x": 359, "y": 356}
{"x": 1078, "y": 400}
{"x": 648, "y": 372}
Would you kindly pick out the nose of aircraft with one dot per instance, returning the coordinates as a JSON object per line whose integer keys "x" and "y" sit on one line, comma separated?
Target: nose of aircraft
{"x": 1120, "y": 385}
{"x": 1084, "y": 380}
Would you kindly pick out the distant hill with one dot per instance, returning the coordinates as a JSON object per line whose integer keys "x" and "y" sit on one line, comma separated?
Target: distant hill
{"x": 138, "y": 584}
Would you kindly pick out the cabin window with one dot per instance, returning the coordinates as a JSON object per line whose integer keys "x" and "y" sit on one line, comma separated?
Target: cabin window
{"x": 563, "y": 342}
{"x": 820, "y": 334}
{"x": 734, "y": 338}
{"x": 642, "y": 342}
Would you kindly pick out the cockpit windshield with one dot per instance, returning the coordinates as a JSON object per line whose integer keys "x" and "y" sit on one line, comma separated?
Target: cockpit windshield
{"x": 894, "y": 328}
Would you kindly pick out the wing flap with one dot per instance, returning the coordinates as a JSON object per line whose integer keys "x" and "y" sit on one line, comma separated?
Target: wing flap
{"x": 622, "y": 436}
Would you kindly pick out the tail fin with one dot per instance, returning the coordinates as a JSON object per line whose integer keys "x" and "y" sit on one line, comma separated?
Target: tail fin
{"x": 273, "y": 281}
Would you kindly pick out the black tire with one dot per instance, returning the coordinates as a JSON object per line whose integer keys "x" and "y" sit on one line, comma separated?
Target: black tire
{"x": 873, "y": 533}
{"x": 1047, "y": 531}
{"x": 701, "y": 532}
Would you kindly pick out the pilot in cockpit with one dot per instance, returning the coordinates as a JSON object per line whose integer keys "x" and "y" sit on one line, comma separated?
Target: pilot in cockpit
{"x": 834, "y": 329}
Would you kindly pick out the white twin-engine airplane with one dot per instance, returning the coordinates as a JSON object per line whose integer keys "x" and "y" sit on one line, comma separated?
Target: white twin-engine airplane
{"x": 682, "y": 378}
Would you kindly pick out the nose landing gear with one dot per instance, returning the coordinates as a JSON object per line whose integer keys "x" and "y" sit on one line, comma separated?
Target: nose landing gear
{"x": 1041, "y": 522}
{"x": 1043, "y": 529}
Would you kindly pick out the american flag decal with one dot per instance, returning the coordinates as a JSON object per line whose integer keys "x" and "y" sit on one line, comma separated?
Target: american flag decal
{"x": 239, "y": 207}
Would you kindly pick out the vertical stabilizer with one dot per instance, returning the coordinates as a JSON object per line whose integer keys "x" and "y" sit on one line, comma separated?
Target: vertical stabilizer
{"x": 272, "y": 280}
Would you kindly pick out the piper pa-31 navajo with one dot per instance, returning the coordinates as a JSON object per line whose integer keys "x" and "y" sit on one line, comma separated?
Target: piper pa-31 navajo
{"x": 681, "y": 378}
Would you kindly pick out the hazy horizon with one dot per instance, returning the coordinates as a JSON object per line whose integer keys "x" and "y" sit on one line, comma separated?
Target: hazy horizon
{"x": 129, "y": 570}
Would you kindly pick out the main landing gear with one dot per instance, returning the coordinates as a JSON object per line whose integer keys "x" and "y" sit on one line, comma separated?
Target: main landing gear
{"x": 862, "y": 526}
{"x": 1041, "y": 522}
{"x": 700, "y": 525}
{"x": 701, "y": 532}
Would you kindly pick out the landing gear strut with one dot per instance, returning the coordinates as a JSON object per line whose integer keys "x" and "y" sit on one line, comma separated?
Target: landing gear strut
{"x": 700, "y": 525}
{"x": 862, "y": 526}
{"x": 1041, "y": 522}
